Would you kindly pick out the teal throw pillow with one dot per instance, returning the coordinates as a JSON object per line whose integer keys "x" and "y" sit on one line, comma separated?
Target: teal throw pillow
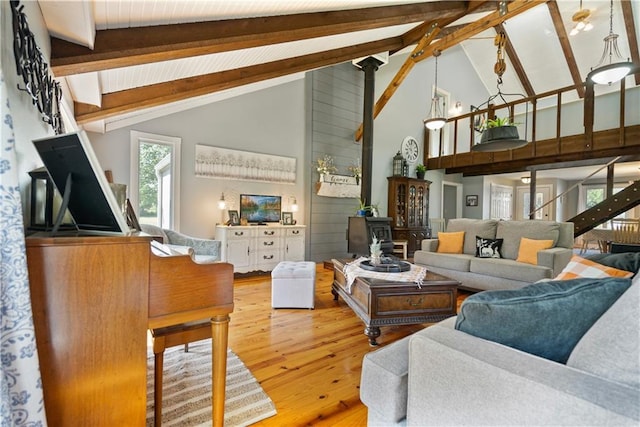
{"x": 546, "y": 319}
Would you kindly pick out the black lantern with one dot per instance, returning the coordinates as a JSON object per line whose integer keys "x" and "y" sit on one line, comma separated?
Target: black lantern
{"x": 45, "y": 202}
{"x": 398, "y": 165}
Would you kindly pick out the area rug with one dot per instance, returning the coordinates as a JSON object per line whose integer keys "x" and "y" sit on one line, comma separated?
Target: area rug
{"x": 186, "y": 399}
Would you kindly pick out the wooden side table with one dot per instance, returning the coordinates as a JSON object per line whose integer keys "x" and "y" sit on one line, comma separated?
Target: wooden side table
{"x": 400, "y": 247}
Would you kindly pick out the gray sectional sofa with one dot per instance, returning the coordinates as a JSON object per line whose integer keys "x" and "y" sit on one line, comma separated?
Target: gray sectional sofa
{"x": 506, "y": 273}
{"x": 443, "y": 376}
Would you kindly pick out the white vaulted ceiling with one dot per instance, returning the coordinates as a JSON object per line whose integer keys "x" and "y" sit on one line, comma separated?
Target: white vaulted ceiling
{"x": 532, "y": 33}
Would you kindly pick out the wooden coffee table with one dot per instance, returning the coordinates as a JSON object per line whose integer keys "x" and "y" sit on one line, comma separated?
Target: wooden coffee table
{"x": 386, "y": 302}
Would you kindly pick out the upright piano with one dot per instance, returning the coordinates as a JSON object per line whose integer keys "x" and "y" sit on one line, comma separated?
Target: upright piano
{"x": 93, "y": 300}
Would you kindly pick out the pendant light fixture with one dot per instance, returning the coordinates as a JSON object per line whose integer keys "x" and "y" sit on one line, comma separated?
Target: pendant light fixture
{"x": 612, "y": 67}
{"x": 500, "y": 134}
{"x": 436, "y": 119}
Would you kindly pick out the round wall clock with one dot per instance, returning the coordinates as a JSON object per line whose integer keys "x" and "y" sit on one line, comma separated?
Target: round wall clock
{"x": 410, "y": 149}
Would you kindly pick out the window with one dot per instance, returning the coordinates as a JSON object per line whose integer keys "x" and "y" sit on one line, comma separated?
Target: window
{"x": 155, "y": 179}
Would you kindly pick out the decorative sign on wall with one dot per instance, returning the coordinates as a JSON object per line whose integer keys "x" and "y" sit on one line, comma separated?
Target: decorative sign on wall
{"x": 331, "y": 185}
{"x": 223, "y": 163}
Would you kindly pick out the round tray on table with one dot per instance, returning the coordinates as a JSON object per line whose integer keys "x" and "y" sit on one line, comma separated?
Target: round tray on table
{"x": 390, "y": 266}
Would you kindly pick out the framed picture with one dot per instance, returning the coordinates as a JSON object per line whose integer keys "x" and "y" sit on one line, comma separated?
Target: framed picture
{"x": 287, "y": 218}
{"x": 234, "y": 218}
{"x": 472, "y": 200}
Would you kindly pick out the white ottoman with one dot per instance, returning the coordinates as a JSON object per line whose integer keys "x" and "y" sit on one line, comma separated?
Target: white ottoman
{"x": 293, "y": 284}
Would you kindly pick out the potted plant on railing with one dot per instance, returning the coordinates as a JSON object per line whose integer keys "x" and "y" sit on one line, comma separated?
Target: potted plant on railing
{"x": 420, "y": 170}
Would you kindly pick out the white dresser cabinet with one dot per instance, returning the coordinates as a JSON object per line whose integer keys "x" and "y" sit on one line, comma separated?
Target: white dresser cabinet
{"x": 294, "y": 244}
{"x": 261, "y": 248}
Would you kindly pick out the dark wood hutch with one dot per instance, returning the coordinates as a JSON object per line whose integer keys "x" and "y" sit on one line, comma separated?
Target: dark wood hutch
{"x": 408, "y": 207}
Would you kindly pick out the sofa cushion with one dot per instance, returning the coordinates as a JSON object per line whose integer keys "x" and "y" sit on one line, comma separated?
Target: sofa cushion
{"x": 488, "y": 248}
{"x": 509, "y": 269}
{"x": 529, "y": 248}
{"x": 512, "y": 231}
{"x": 629, "y": 261}
{"x": 450, "y": 243}
{"x": 610, "y": 348}
{"x": 581, "y": 267}
{"x": 473, "y": 227}
{"x": 546, "y": 319}
{"x": 458, "y": 262}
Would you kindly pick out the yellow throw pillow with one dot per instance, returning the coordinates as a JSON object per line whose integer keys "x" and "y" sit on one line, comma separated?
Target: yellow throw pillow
{"x": 581, "y": 267}
{"x": 450, "y": 243}
{"x": 529, "y": 248}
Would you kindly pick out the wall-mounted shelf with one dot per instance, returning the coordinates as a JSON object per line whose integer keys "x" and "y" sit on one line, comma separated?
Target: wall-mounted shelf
{"x": 344, "y": 186}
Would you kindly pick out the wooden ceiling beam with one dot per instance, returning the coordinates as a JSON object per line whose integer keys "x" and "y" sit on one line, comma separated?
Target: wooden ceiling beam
{"x": 515, "y": 8}
{"x": 427, "y": 49}
{"x": 563, "y": 38}
{"x": 515, "y": 61}
{"x": 403, "y": 72}
{"x": 131, "y": 100}
{"x": 630, "y": 28}
{"x": 125, "y": 47}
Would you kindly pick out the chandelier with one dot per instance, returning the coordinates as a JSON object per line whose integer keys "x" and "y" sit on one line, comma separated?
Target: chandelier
{"x": 436, "y": 119}
{"x": 612, "y": 67}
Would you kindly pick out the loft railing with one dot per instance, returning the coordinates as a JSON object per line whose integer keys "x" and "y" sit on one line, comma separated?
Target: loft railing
{"x": 461, "y": 133}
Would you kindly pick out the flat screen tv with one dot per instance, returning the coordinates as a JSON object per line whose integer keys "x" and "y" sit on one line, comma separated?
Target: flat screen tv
{"x": 259, "y": 209}
{"x": 76, "y": 173}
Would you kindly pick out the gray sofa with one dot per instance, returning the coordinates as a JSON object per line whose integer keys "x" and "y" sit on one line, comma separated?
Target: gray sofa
{"x": 505, "y": 273}
{"x": 443, "y": 376}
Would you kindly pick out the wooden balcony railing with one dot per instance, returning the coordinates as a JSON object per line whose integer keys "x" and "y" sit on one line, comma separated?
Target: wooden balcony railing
{"x": 532, "y": 113}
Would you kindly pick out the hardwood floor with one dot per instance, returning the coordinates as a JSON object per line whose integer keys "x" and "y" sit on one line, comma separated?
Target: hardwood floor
{"x": 307, "y": 361}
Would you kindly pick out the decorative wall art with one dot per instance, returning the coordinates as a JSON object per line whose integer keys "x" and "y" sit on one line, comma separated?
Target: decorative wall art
{"x": 222, "y": 163}
{"x": 44, "y": 91}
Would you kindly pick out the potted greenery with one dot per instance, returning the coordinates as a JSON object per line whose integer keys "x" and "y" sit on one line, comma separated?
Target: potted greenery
{"x": 420, "y": 170}
{"x": 363, "y": 210}
{"x": 499, "y": 128}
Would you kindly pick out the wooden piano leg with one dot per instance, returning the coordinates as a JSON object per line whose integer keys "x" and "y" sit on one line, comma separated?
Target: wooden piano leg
{"x": 219, "y": 335}
{"x": 158, "y": 353}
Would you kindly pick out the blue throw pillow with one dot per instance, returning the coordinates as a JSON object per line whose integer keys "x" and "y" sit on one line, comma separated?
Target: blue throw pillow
{"x": 546, "y": 319}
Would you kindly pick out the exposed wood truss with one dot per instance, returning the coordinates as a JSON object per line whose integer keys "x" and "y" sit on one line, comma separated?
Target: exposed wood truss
{"x": 514, "y": 8}
{"x": 177, "y": 90}
{"x": 515, "y": 61}
{"x": 566, "y": 46}
{"x": 142, "y": 45}
{"x": 630, "y": 28}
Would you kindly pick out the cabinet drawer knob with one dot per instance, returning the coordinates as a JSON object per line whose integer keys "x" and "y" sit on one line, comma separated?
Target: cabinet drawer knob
{"x": 238, "y": 233}
{"x": 269, "y": 233}
{"x": 267, "y": 257}
{"x": 268, "y": 243}
{"x": 295, "y": 232}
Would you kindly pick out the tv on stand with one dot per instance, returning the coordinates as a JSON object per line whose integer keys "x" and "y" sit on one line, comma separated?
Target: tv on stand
{"x": 260, "y": 209}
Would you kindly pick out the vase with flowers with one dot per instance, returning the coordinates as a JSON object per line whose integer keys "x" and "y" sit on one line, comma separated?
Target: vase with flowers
{"x": 324, "y": 166}
{"x": 356, "y": 172}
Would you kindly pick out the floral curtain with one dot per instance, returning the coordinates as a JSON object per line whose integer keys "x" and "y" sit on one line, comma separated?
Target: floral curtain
{"x": 21, "y": 398}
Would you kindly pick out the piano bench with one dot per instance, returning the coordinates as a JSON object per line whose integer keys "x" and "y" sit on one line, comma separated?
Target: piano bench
{"x": 293, "y": 284}
{"x": 171, "y": 336}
